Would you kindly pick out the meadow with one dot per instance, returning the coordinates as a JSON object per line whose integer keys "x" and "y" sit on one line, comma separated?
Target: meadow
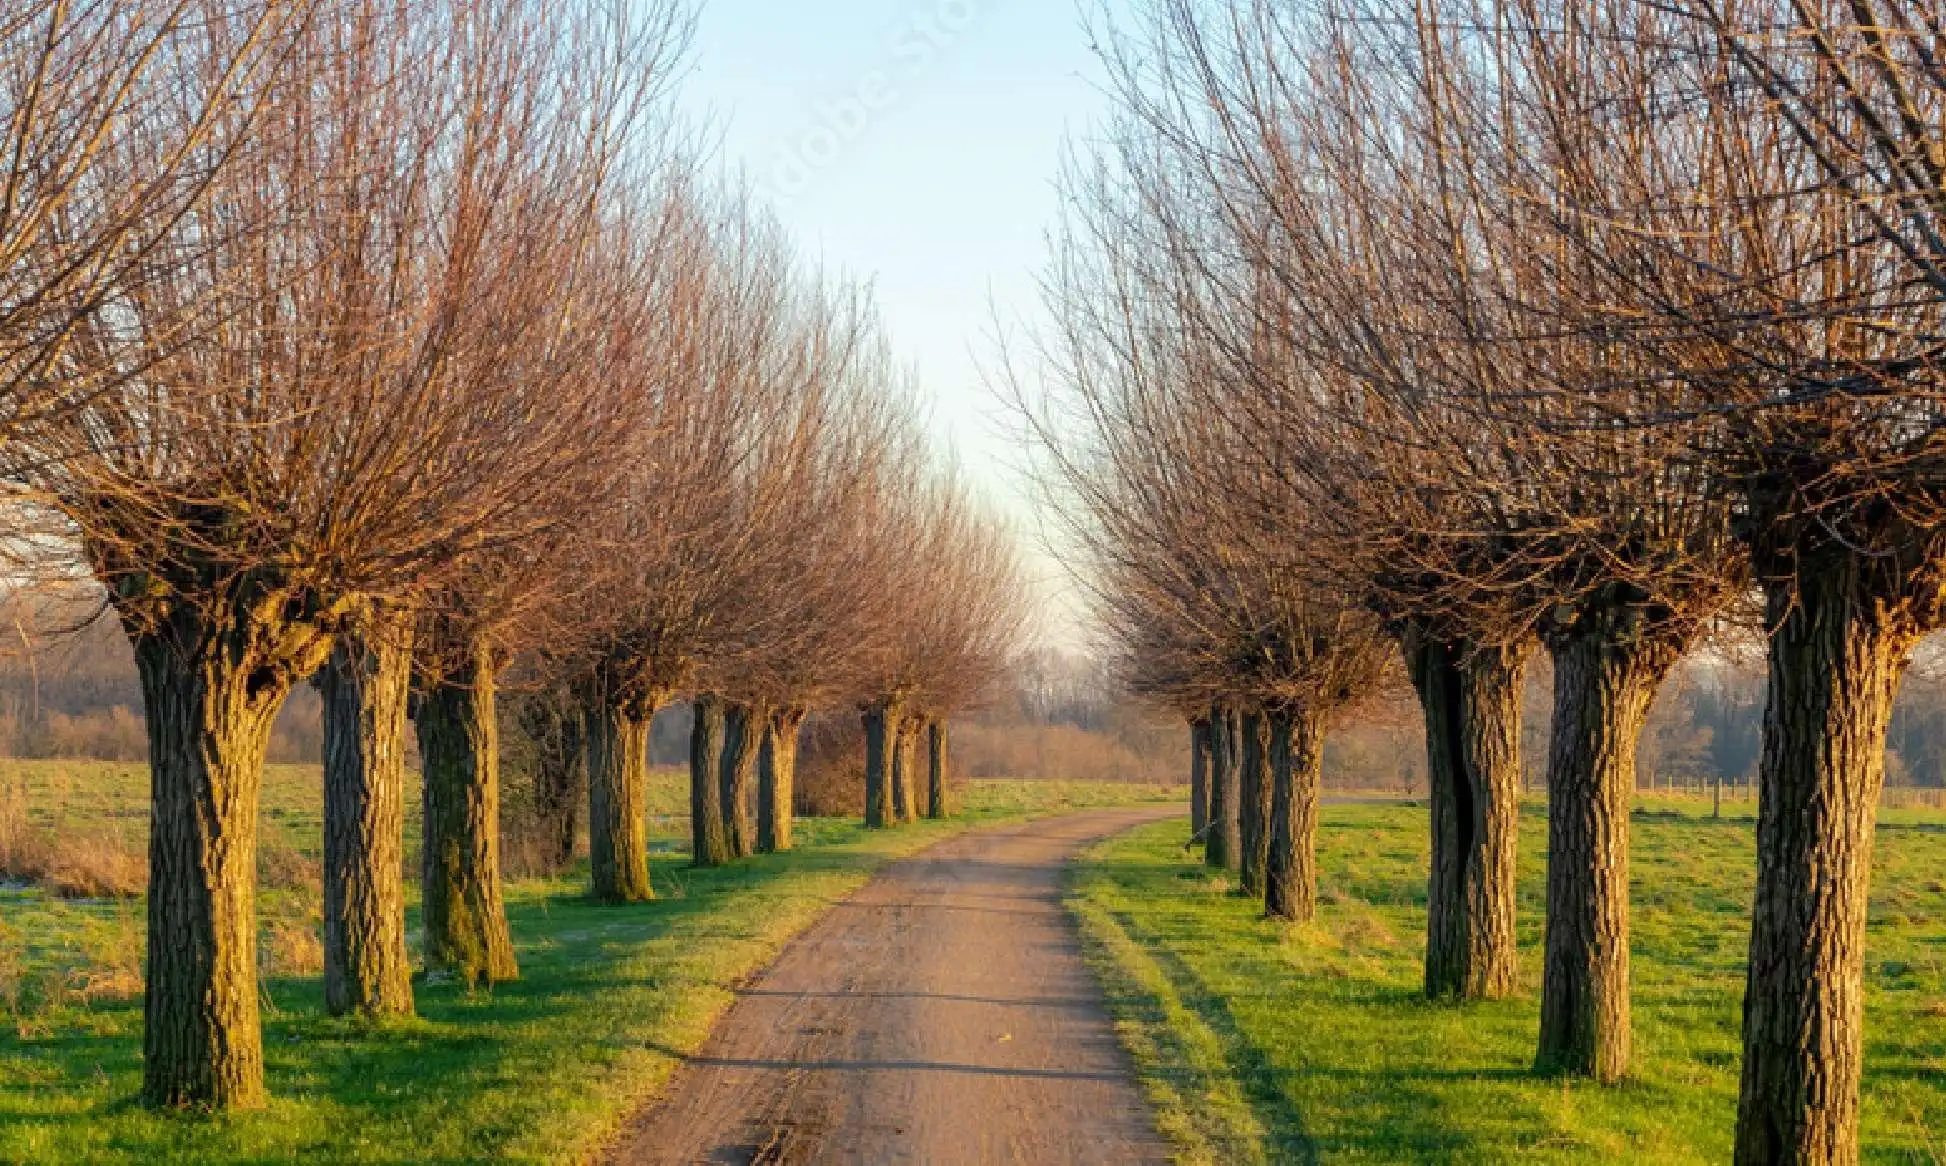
{"x": 541, "y": 1069}
{"x": 1260, "y": 1041}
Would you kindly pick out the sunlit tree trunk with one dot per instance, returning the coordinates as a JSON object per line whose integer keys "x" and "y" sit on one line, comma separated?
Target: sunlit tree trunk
{"x": 1836, "y": 658}
{"x": 615, "y": 741}
{"x": 365, "y": 688}
{"x": 1470, "y": 695}
{"x": 1605, "y": 676}
{"x": 1296, "y": 748}
{"x": 905, "y": 766}
{"x": 462, "y": 908}
{"x": 777, "y": 780}
{"x": 709, "y": 834}
{"x": 211, "y": 687}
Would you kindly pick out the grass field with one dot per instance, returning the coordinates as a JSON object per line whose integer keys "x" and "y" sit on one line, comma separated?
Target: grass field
{"x": 1261, "y": 1041}
{"x": 538, "y": 1070}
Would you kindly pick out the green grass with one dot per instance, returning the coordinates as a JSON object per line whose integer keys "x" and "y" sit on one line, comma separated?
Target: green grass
{"x": 537, "y": 1070}
{"x": 1267, "y": 1042}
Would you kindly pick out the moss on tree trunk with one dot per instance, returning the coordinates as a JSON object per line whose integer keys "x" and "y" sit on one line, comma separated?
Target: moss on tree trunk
{"x": 709, "y": 835}
{"x": 365, "y": 688}
{"x": 743, "y": 738}
{"x": 1470, "y": 696}
{"x": 777, "y": 780}
{"x": 1605, "y": 677}
{"x": 615, "y": 739}
{"x": 936, "y": 806}
{"x": 1253, "y": 805}
{"x": 1296, "y": 748}
{"x": 462, "y": 909}
{"x": 1836, "y": 658}
{"x": 1223, "y": 846}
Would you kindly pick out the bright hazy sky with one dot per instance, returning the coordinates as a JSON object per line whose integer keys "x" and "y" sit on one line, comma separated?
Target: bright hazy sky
{"x": 913, "y": 143}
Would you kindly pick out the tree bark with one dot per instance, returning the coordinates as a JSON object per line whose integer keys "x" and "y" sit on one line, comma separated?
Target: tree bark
{"x": 615, "y": 740}
{"x": 1199, "y": 748}
{"x": 936, "y": 807}
{"x": 777, "y": 781}
{"x": 462, "y": 909}
{"x": 905, "y": 771}
{"x": 1297, "y": 768}
{"x": 743, "y": 738}
{"x": 554, "y": 723}
{"x": 882, "y": 722}
{"x": 709, "y": 834}
{"x": 1253, "y": 811}
{"x": 1604, "y": 680}
{"x": 1223, "y": 848}
{"x": 1836, "y": 659}
{"x": 1470, "y": 695}
{"x": 212, "y": 683}
{"x": 365, "y": 688}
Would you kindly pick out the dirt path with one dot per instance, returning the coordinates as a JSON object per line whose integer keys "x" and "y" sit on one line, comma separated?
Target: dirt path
{"x": 941, "y": 1014}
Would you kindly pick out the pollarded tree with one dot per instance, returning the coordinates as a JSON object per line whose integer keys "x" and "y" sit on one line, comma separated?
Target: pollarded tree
{"x": 1790, "y": 297}
{"x": 256, "y": 475}
{"x": 493, "y": 318}
{"x": 793, "y": 637}
{"x": 1387, "y": 178}
{"x": 699, "y": 355}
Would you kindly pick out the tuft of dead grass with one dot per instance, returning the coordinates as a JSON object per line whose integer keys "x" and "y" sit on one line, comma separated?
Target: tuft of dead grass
{"x": 291, "y": 948}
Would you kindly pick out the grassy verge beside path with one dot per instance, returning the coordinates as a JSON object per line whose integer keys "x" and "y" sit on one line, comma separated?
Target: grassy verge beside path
{"x": 538, "y": 1070}
{"x": 1261, "y": 1042}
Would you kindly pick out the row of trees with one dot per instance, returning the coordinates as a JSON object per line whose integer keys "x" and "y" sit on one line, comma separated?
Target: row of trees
{"x": 405, "y": 348}
{"x": 1434, "y": 331}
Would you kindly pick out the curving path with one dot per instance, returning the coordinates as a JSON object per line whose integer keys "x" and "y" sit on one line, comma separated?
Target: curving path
{"x": 941, "y": 1014}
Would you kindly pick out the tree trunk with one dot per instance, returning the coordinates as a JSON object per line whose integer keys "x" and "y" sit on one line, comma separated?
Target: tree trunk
{"x": 1604, "y": 682}
{"x": 709, "y": 834}
{"x": 615, "y": 739}
{"x": 905, "y": 764}
{"x": 1836, "y": 660}
{"x": 365, "y": 688}
{"x": 1199, "y": 747}
{"x": 1470, "y": 696}
{"x": 551, "y": 719}
{"x": 777, "y": 780}
{"x": 1297, "y": 767}
{"x": 461, "y": 908}
{"x": 1223, "y": 848}
{"x": 211, "y": 688}
{"x": 936, "y": 807}
{"x": 882, "y": 722}
{"x": 743, "y": 739}
{"x": 1253, "y": 811}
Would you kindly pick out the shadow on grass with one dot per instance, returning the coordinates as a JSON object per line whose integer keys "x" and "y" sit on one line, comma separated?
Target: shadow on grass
{"x": 1402, "y": 1121}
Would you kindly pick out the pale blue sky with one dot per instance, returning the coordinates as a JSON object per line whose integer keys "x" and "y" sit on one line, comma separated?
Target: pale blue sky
{"x": 914, "y": 143}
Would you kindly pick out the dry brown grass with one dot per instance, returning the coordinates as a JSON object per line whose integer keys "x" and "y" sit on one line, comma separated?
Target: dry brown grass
{"x": 291, "y": 947}
{"x": 82, "y": 864}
